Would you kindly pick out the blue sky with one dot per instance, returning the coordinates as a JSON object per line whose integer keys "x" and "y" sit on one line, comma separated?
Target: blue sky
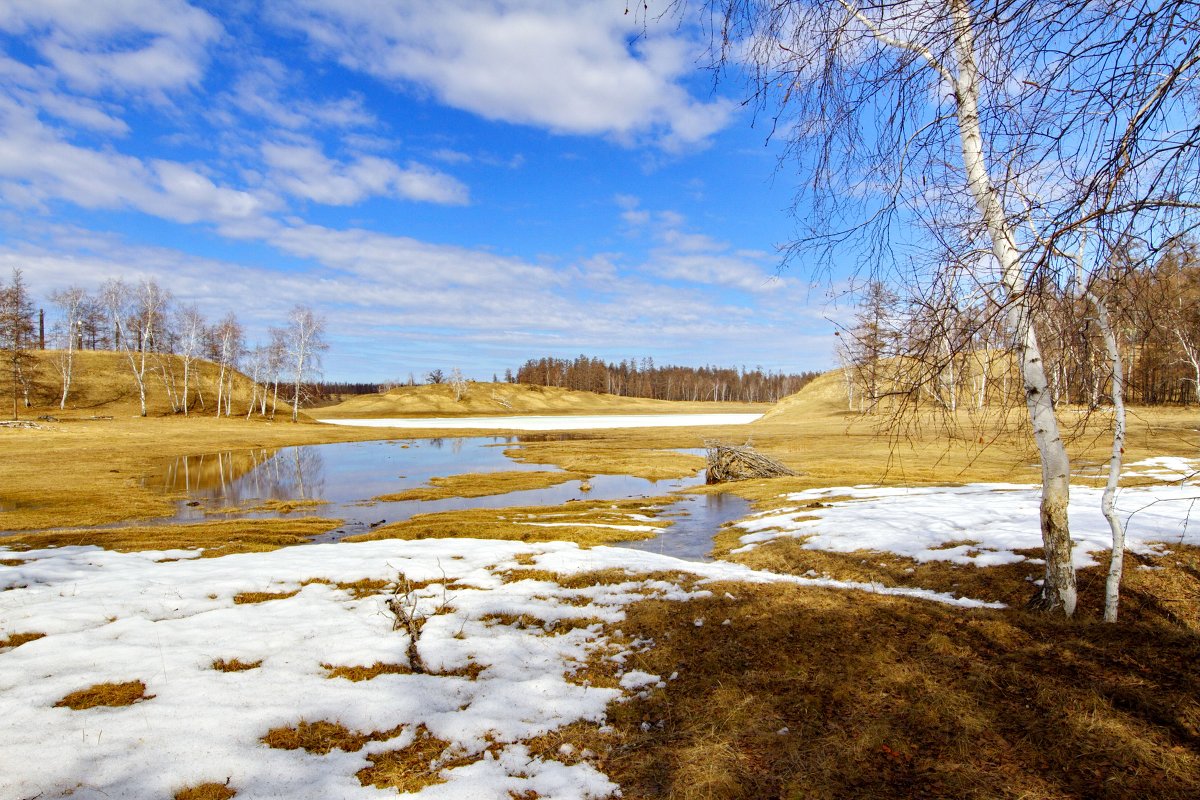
{"x": 466, "y": 183}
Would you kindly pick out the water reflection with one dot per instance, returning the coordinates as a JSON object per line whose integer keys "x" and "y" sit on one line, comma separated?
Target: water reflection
{"x": 349, "y": 474}
{"x": 235, "y": 477}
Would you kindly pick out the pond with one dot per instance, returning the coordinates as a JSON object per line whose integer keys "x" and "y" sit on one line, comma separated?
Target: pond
{"x": 347, "y": 475}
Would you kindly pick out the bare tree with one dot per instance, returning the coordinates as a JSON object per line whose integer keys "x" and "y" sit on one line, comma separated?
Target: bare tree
{"x": 16, "y": 333}
{"x": 191, "y": 338}
{"x": 458, "y": 383}
{"x": 306, "y": 341}
{"x": 137, "y": 317}
{"x": 71, "y": 302}
{"x": 227, "y": 343}
{"x": 943, "y": 117}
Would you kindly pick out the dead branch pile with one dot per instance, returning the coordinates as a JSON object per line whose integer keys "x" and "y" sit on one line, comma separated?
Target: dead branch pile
{"x": 728, "y": 462}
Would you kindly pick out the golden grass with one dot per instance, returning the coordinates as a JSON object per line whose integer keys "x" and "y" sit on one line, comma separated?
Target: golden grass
{"x": 482, "y": 484}
{"x": 323, "y": 736}
{"x": 506, "y": 399}
{"x": 358, "y": 672}
{"x": 11, "y": 562}
{"x": 287, "y": 506}
{"x": 18, "y": 639}
{"x": 245, "y": 598}
{"x": 216, "y": 538}
{"x": 206, "y": 791}
{"x": 409, "y": 769}
{"x": 105, "y": 694}
{"x": 359, "y": 589}
{"x": 587, "y": 522}
{"x": 235, "y": 665}
{"x": 605, "y": 457}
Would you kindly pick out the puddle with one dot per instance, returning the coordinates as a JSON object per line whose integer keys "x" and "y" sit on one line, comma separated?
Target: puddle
{"x": 697, "y": 519}
{"x": 348, "y": 474}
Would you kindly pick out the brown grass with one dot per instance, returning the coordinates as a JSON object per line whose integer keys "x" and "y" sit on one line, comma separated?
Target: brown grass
{"x": 207, "y": 791}
{"x": 409, "y": 769}
{"x": 235, "y": 665}
{"x": 243, "y": 598}
{"x": 358, "y": 673}
{"x": 884, "y": 697}
{"x": 18, "y": 639}
{"x": 359, "y": 589}
{"x": 287, "y": 506}
{"x": 323, "y": 736}
{"x": 507, "y": 399}
{"x": 585, "y": 522}
{"x": 216, "y": 538}
{"x": 105, "y": 694}
{"x": 477, "y": 484}
{"x": 12, "y": 562}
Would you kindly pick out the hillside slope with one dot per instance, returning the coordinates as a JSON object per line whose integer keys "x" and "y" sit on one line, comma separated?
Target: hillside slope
{"x": 501, "y": 399}
{"x": 102, "y": 384}
{"x": 825, "y": 396}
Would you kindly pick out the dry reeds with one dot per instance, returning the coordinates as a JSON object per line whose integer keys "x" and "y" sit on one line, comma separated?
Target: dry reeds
{"x": 727, "y": 462}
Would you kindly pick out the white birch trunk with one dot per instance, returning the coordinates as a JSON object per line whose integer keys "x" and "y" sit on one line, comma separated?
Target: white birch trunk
{"x": 1112, "y": 585}
{"x": 1058, "y": 592}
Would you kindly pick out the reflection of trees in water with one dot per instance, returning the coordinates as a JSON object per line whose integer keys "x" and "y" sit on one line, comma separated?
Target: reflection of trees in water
{"x": 291, "y": 473}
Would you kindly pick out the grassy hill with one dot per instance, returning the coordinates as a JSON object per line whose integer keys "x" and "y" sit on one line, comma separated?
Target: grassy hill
{"x": 102, "y": 384}
{"x": 500, "y": 399}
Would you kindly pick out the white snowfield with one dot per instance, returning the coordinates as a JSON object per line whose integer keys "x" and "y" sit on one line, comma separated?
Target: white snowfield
{"x": 119, "y": 617}
{"x": 554, "y": 423}
{"x": 982, "y": 524}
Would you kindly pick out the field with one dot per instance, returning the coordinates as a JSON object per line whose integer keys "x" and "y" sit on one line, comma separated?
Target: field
{"x": 510, "y": 653}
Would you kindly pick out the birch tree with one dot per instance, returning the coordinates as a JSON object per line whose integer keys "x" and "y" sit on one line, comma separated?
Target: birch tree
{"x": 70, "y": 302}
{"x": 306, "y": 342}
{"x": 919, "y": 127}
{"x": 191, "y": 338}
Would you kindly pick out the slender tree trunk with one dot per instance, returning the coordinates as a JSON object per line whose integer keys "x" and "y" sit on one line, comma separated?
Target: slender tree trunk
{"x": 1058, "y": 592}
{"x": 187, "y": 366}
{"x": 62, "y": 404}
{"x": 1112, "y": 585}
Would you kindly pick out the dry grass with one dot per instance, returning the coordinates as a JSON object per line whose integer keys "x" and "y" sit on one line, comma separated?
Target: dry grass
{"x": 207, "y": 791}
{"x": 587, "y": 522}
{"x": 323, "y": 736}
{"x": 287, "y": 506}
{"x": 245, "y": 598}
{"x": 105, "y": 694}
{"x": 235, "y": 665}
{"x": 359, "y": 589}
{"x": 506, "y": 399}
{"x": 610, "y": 456}
{"x": 11, "y": 562}
{"x": 216, "y": 538}
{"x": 18, "y": 639}
{"x": 358, "y": 673}
{"x": 476, "y": 484}
{"x": 412, "y": 768}
{"x": 821, "y": 694}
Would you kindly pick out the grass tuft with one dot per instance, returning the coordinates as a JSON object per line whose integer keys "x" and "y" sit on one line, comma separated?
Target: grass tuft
{"x": 243, "y": 598}
{"x": 323, "y": 736}
{"x": 18, "y": 639}
{"x": 358, "y": 673}
{"x": 235, "y": 665}
{"x": 105, "y": 694}
{"x": 408, "y": 769}
{"x": 207, "y": 791}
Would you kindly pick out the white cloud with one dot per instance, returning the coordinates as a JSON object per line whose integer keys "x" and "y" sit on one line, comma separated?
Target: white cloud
{"x": 267, "y": 90}
{"x": 304, "y": 171}
{"x": 115, "y": 45}
{"x": 567, "y": 67}
{"x": 38, "y": 165}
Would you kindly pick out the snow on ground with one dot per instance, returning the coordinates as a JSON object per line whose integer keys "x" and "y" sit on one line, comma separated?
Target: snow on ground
{"x": 120, "y": 617}
{"x": 981, "y": 524}
{"x": 556, "y": 423}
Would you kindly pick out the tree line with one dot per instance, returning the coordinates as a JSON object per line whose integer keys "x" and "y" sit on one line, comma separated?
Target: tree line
{"x": 161, "y": 342}
{"x": 902, "y": 350}
{"x": 643, "y": 378}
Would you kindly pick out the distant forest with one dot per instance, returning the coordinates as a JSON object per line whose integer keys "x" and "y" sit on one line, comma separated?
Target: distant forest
{"x": 634, "y": 378}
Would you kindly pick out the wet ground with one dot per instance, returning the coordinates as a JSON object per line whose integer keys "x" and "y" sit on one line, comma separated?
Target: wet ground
{"x": 348, "y": 475}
